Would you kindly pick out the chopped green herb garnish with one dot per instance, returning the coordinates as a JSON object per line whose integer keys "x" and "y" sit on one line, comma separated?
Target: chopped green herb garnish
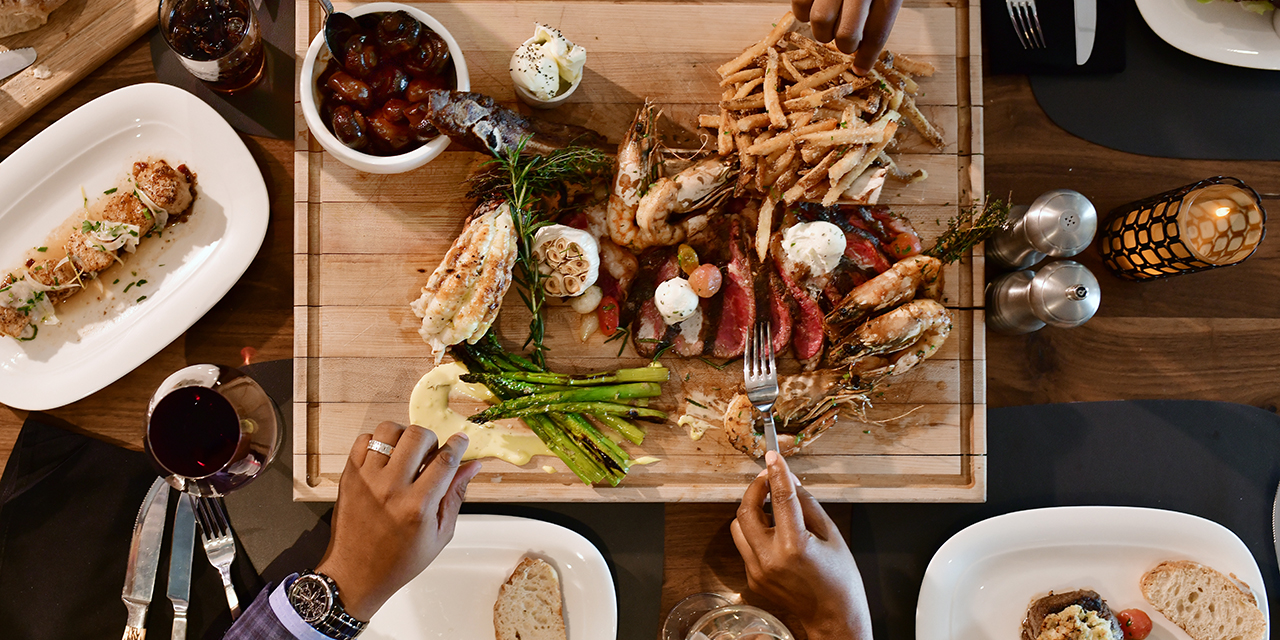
{"x": 129, "y": 286}
{"x": 142, "y": 298}
{"x": 109, "y": 191}
{"x": 42, "y": 249}
{"x": 696, "y": 403}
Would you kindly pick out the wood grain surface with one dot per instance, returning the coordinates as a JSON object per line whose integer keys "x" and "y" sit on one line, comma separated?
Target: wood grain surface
{"x": 79, "y": 36}
{"x": 359, "y": 354}
{"x": 1207, "y": 336}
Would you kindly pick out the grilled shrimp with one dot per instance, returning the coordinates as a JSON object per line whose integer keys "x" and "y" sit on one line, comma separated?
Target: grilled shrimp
{"x": 701, "y": 184}
{"x": 919, "y": 275}
{"x": 634, "y": 171}
{"x": 808, "y": 405}
{"x": 916, "y": 329}
{"x": 619, "y": 263}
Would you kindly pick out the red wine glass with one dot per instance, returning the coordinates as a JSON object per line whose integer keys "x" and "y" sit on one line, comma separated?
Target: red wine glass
{"x": 211, "y": 429}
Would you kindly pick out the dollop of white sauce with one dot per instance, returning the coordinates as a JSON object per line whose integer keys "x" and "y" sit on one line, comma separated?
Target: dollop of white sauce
{"x": 817, "y": 245}
{"x": 675, "y": 300}
{"x": 539, "y": 65}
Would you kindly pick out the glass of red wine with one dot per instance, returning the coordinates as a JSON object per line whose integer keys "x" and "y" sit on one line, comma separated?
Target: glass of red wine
{"x": 211, "y": 429}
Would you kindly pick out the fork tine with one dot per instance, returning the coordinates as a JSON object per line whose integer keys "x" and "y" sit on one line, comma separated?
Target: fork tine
{"x": 220, "y": 514}
{"x": 768, "y": 338}
{"x": 1017, "y": 26}
{"x": 1035, "y": 21}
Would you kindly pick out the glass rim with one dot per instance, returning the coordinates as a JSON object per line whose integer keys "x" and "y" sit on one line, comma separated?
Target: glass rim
{"x": 162, "y": 24}
{"x": 1254, "y": 204}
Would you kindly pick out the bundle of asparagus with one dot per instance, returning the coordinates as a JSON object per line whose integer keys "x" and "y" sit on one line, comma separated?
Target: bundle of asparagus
{"x": 556, "y": 406}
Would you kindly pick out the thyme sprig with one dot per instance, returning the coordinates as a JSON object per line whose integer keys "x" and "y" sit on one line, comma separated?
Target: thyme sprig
{"x": 523, "y": 181}
{"x": 969, "y": 228}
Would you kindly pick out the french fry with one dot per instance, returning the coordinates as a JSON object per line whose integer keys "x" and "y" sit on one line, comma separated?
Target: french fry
{"x": 739, "y": 63}
{"x": 816, "y": 80}
{"x": 764, "y": 226}
{"x": 799, "y": 118}
{"x": 842, "y": 137}
{"x": 845, "y": 164}
{"x": 791, "y": 69}
{"x": 746, "y": 163}
{"x": 749, "y": 103}
{"x": 817, "y": 99}
{"x": 873, "y": 151}
{"x": 771, "y": 103}
{"x": 753, "y": 122}
{"x": 898, "y": 174}
{"x": 811, "y": 154}
{"x": 806, "y": 63}
{"x": 912, "y": 67}
{"x": 810, "y": 178}
{"x": 742, "y": 76}
{"x": 724, "y": 140}
{"x": 821, "y": 125}
{"x": 787, "y": 178}
{"x": 709, "y": 121}
{"x": 747, "y": 87}
{"x": 847, "y": 176}
{"x": 921, "y": 124}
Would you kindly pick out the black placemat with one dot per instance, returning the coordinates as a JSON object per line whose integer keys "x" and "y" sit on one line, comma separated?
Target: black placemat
{"x": 1004, "y": 52}
{"x": 1168, "y": 103}
{"x": 266, "y": 109}
{"x": 1216, "y": 460}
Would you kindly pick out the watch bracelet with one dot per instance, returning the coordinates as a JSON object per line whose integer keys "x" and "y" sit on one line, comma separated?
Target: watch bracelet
{"x": 337, "y": 624}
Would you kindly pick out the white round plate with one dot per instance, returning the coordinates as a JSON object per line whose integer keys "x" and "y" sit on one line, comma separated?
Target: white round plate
{"x": 106, "y": 333}
{"x": 453, "y": 599}
{"x": 978, "y": 585}
{"x": 1219, "y": 31}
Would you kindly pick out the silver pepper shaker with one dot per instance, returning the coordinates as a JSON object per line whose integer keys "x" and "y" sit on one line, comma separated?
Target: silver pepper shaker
{"x": 1060, "y": 223}
{"x": 1061, "y": 294}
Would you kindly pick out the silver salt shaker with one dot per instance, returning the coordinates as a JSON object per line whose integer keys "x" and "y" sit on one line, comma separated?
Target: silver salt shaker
{"x": 1060, "y": 223}
{"x": 1061, "y": 294}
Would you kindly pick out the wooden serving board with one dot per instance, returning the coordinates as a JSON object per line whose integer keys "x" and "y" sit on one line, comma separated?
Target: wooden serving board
{"x": 79, "y": 36}
{"x": 365, "y": 244}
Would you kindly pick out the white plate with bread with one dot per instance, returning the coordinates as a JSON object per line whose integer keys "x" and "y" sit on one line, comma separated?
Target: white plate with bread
{"x": 981, "y": 581}
{"x": 488, "y": 582}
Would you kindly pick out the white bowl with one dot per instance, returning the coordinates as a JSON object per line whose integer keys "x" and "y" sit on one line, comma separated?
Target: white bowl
{"x": 318, "y": 56}
{"x": 534, "y": 101}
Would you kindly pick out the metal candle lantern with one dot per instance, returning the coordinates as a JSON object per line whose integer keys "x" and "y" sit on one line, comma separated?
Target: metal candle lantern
{"x": 1213, "y": 223}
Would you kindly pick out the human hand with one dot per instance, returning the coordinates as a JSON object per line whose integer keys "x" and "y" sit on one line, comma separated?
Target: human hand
{"x": 801, "y": 562}
{"x": 860, "y": 26}
{"x": 390, "y": 522}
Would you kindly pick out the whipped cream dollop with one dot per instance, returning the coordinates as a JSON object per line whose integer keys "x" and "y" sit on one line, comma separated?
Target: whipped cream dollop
{"x": 675, "y": 300}
{"x": 548, "y": 64}
{"x": 817, "y": 245}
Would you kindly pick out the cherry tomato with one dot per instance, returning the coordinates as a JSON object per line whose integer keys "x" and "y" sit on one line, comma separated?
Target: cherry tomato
{"x": 1135, "y": 623}
{"x": 705, "y": 280}
{"x": 903, "y": 245}
{"x": 608, "y": 312}
{"x": 688, "y": 258}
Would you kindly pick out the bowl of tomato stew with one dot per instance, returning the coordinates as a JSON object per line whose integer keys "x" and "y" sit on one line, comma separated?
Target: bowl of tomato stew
{"x": 365, "y": 106}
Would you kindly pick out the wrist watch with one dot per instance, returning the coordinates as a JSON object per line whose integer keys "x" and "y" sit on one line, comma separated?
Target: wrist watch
{"x": 315, "y": 597}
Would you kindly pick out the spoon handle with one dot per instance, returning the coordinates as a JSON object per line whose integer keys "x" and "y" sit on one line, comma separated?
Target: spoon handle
{"x": 328, "y": 7}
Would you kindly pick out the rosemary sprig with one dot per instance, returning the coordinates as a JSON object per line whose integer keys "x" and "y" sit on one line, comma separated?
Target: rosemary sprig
{"x": 522, "y": 181}
{"x": 969, "y": 228}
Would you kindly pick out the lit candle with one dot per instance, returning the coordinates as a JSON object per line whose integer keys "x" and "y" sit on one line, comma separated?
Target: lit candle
{"x": 1212, "y": 223}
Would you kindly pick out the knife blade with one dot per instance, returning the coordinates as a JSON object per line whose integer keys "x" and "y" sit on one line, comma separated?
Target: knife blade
{"x": 1086, "y": 29}
{"x": 184, "y": 538}
{"x": 144, "y": 556}
{"x": 1275, "y": 522}
{"x": 16, "y": 60}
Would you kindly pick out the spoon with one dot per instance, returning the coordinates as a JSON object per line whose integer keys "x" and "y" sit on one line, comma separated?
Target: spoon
{"x": 338, "y": 27}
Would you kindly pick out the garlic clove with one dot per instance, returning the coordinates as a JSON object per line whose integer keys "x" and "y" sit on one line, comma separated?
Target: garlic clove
{"x": 554, "y": 285}
{"x": 572, "y": 285}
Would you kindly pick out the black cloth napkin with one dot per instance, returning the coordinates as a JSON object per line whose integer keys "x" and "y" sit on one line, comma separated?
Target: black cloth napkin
{"x": 67, "y": 509}
{"x": 1004, "y": 52}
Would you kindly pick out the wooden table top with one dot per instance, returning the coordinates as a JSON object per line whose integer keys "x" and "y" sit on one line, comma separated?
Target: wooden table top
{"x": 1207, "y": 336}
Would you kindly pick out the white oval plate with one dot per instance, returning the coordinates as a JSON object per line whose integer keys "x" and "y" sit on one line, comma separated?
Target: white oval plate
{"x": 1218, "y": 31}
{"x": 106, "y": 333}
{"x": 453, "y": 599}
{"x": 979, "y": 583}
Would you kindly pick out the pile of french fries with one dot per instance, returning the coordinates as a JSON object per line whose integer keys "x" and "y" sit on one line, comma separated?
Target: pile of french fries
{"x": 806, "y": 128}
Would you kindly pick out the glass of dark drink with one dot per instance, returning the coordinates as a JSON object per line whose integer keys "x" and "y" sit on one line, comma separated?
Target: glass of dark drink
{"x": 218, "y": 41}
{"x": 211, "y": 429}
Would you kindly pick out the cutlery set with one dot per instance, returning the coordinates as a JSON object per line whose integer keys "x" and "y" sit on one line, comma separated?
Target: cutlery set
{"x": 1026, "y": 25}
{"x": 144, "y": 556}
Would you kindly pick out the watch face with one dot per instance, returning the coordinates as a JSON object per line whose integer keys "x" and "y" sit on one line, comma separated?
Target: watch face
{"x": 310, "y": 597}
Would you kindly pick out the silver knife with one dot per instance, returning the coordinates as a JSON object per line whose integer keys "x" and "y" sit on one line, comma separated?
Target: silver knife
{"x": 16, "y": 60}
{"x": 144, "y": 556}
{"x": 184, "y": 539}
{"x": 1086, "y": 29}
{"x": 1275, "y": 522}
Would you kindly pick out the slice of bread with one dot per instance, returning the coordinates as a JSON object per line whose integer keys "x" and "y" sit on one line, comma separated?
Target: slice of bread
{"x": 1205, "y": 603}
{"x": 529, "y": 605}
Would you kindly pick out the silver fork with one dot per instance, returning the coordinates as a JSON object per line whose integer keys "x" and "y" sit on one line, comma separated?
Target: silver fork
{"x": 760, "y": 376}
{"x": 1026, "y": 23}
{"x": 219, "y": 544}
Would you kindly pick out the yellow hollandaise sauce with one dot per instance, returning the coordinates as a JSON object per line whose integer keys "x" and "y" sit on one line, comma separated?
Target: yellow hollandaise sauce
{"x": 508, "y": 440}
